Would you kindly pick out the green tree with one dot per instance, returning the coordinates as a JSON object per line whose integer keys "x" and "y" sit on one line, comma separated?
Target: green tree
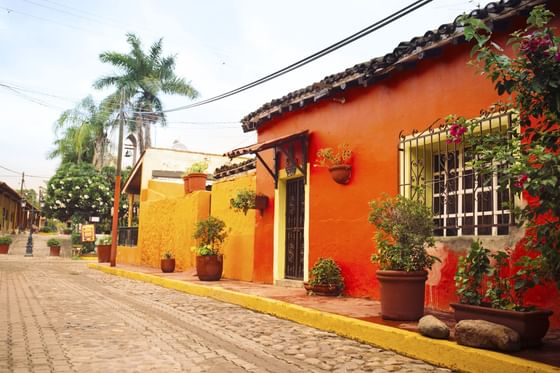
{"x": 85, "y": 133}
{"x": 30, "y": 196}
{"x": 143, "y": 77}
{"x": 78, "y": 191}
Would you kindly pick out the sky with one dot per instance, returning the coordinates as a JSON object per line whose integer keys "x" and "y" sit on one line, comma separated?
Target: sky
{"x": 49, "y": 51}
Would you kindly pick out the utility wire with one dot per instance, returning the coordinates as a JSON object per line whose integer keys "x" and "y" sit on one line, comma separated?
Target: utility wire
{"x": 358, "y": 35}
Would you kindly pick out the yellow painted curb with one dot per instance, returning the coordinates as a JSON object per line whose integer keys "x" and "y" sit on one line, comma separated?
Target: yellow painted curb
{"x": 442, "y": 353}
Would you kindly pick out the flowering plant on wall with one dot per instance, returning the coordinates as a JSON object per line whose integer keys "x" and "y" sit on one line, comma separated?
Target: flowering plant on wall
{"x": 531, "y": 79}
{"x": 329, "y": 157}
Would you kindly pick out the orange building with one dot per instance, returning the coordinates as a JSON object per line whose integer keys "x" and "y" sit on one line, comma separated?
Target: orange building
{"x": 378, "y": 107}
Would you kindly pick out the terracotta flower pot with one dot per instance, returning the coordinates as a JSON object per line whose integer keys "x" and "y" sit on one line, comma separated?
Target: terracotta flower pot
{"x": 168, "y": 265}
{"x": 4, "y": 249}
{"x": 209, "y": 267}
{"x": 329, "y": 290}
{"x": 103, "y": 253}
{"x": 341, "y": 173}
{"x": 531, "y": 326}
{"x": 54, "y": 250}
{"x": 193, "y": 182}
{"x": 402, "y": 294}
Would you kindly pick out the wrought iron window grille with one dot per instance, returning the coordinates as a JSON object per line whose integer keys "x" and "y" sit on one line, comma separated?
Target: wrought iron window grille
{"x": 464, "y": 201}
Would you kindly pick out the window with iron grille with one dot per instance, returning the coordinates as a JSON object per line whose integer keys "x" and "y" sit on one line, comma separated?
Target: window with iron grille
{"x": 464, "y": 201}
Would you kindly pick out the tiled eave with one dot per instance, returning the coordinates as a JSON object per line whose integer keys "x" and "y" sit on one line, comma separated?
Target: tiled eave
{"x": 404, "y": 56}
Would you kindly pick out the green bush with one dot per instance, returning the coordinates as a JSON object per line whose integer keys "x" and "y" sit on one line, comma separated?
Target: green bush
{"x": 210, "y": 234}
{"x": 76, "y": 238}
{"x": 326, "y": 272}
{"x": 5, "y": 240}
{"x": 53, "y": 242}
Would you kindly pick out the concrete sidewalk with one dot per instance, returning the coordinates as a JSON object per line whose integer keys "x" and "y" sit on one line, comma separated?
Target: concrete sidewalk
{"x": 355, "y": 318}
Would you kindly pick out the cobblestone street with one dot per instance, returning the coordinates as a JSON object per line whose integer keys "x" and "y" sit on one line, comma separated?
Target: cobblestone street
{"x": 58, "y": 316}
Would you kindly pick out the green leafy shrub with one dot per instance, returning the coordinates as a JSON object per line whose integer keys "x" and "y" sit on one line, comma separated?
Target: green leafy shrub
{"x": 210, "y": 234}
{"x": 243, "y": 201}
{"x": 5, "y": 240}
{"x": 484, "y": 278}
{"x": 167, "y": 254}
{"x": 325, "y": 271}
{"x": 197, "y": 167}
{"x": 404, "y": 231}
{"x": 53, "y": 242}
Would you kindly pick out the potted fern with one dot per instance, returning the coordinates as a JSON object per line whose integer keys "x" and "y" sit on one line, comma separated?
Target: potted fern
{"x": 167, "y": 262}
{"x": 54, "y": 247}
{"x": 404, "y": 232}
{"x": 5, "y": 243}
{"x": 210, "y": 234}
{"x": 326, "y": 278}
{"x": 194, "y": 178}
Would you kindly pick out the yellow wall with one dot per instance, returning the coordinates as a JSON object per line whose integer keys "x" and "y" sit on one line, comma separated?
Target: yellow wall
{"x": 168, "y": 224}
{"x": 238, "y": 248}
{"x": 128, "y": 255}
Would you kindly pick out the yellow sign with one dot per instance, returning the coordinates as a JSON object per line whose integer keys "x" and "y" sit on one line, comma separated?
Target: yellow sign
{"x": 88, "y": 233}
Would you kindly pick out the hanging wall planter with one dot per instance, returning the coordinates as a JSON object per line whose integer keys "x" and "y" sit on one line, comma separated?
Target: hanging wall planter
{"x": 341, "y": 173}
{"x": 337, "y": 161}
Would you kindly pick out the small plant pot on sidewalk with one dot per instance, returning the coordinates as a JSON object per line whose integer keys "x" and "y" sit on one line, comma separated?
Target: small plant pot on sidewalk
{"x": 54, "y": 250}
{"x": 168, "y": 265}
{"x": 5, "y": 243}
{"x": 103, "y": 253}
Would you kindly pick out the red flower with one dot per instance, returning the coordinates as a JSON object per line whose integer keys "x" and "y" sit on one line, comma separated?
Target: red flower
{"x": 520, "y": 181}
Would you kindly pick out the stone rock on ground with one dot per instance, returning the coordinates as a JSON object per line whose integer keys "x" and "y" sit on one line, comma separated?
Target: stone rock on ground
{"x": 485, "y": 334}
{"x": 431, "y": 326}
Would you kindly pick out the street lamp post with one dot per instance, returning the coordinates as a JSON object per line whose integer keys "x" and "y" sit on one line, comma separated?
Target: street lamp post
{"x": 29, "y": 246}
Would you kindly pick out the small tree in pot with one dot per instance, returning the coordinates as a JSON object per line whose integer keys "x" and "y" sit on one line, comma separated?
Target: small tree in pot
{"x": 54, "y": 247}
{"x": 404, "y": 232}
{"x": 210, "y": 234}
{"x": 195, "y": 177}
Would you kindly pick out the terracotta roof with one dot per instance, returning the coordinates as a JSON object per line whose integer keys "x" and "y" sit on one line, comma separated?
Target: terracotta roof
{"x": 236, "y": 168}
{"x": 406, "y": 54}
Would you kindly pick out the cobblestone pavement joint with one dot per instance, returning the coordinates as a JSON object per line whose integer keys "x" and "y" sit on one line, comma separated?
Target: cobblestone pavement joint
{"x": 58, "y": 316}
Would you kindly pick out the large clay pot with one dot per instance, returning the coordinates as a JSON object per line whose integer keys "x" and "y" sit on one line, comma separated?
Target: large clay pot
{"x": 531, "y": 326}
{"x": 54, "y": 250}
{"x": 341, "y": 173}
{"x": 402, "y": 294}
{"x": 168, "y": 265}
{"x": 103, "y": 253}
{"x": 209, "y": 267}
{"x": 4, "y": 249}
{"x": 195, "y": 181}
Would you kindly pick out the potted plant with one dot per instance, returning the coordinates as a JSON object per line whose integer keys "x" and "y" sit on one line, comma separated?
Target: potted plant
{"x": 104, "y": 249}
{"x": 210, "y": 234}
{"x": 5, "y": 242}
{"x": 326, "y": 278}
{"x": 54, "y": 247}
{"x": 247, "y": 199}
{"x": 167, "y": 262}
{"x": 337, "y": 161}
{"x": 404, "y": 232}
{"x": 195, "y": 177}
{"x": 490, "y": 289}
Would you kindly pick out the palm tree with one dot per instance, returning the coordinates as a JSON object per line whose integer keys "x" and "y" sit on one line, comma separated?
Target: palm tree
{"x": 85, "y": 134}
{"x": 144, "y": 76}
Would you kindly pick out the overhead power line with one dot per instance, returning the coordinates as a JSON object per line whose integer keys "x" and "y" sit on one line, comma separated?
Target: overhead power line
{"x": 350, "y": 39}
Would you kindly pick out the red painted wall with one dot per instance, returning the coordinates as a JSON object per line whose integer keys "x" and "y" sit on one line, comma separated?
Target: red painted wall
{"x": 370, "y": 122}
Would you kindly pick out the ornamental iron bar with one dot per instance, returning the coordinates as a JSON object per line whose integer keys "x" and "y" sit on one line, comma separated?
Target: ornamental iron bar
{"x": 464, "y": 201}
